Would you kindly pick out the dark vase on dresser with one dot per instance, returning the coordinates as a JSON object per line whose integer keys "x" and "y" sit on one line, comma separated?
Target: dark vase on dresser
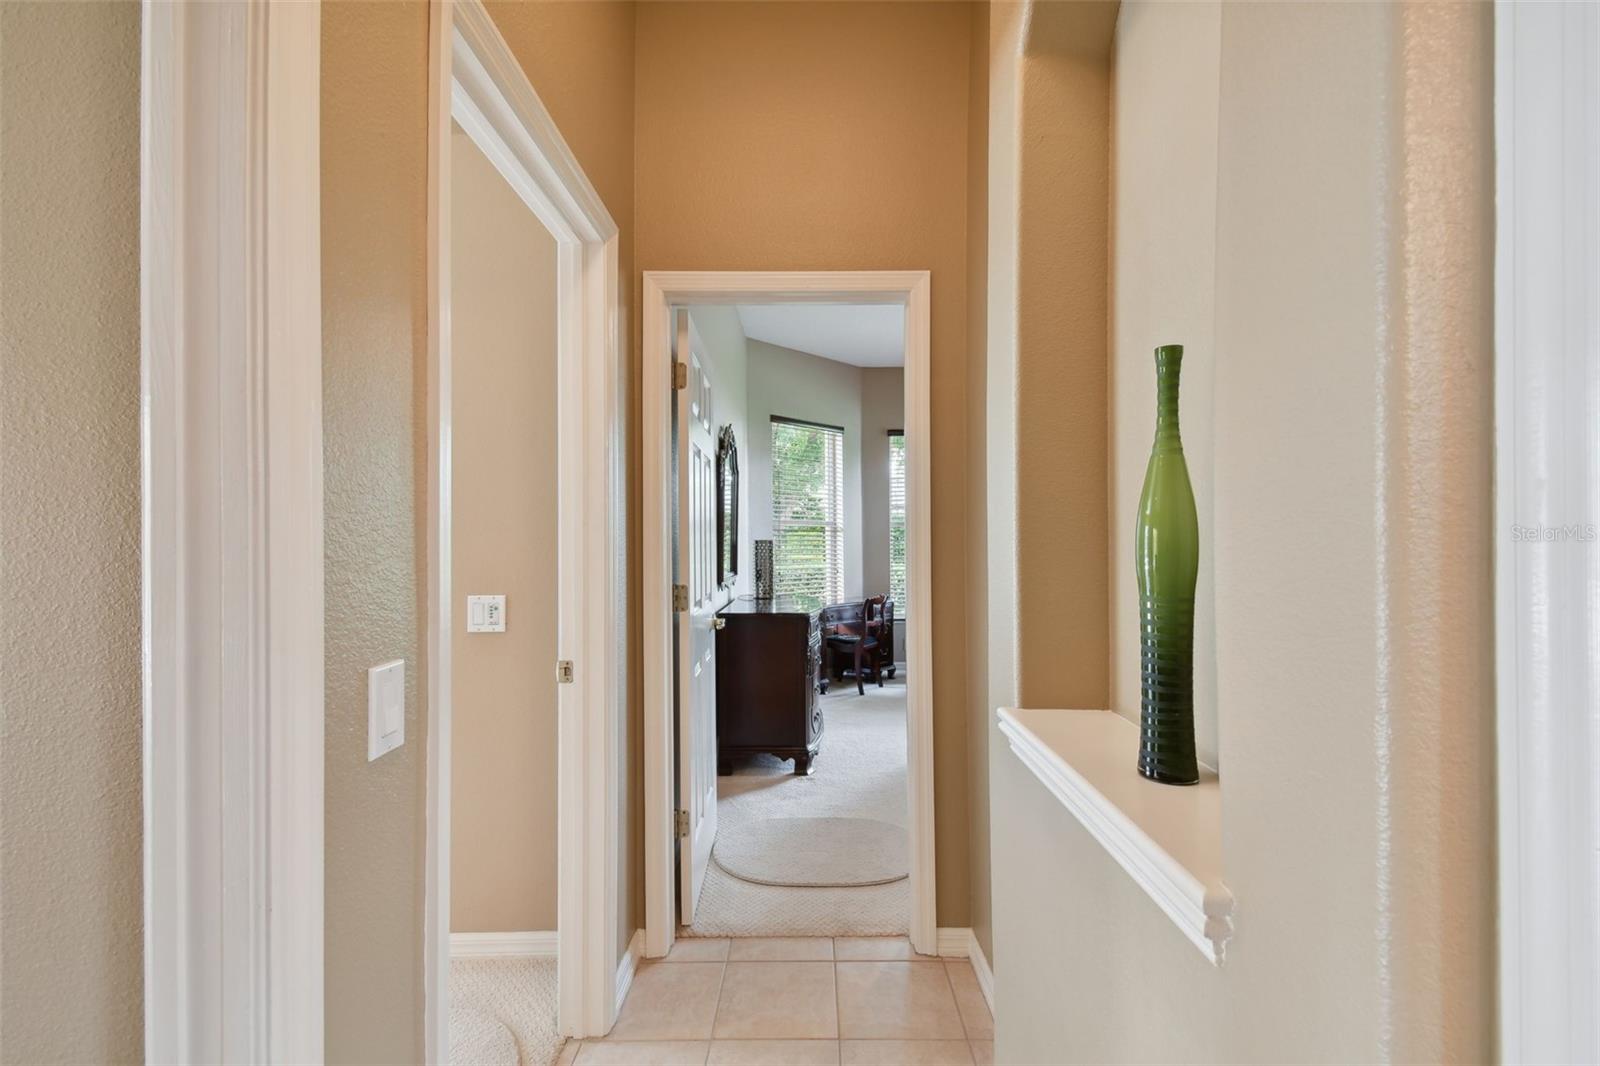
{"x": 768, "y": 653}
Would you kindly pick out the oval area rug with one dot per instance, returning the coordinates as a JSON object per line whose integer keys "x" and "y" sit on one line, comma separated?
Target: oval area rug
{"x": 814, "y": 852}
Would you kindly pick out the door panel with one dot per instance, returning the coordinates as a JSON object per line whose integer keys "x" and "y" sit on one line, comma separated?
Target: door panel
{"x": 697, "y": 544}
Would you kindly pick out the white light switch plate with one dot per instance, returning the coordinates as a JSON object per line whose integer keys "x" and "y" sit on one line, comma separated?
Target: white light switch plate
{"x": 386, "y": 708}
{"x": 486, "y": 614}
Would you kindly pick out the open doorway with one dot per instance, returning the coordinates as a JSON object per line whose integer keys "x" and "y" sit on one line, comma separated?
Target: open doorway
{"x": 805, "y": 404}
{"x": 788, "y": 699}
{"x": 504, "y": 689}
{"x": 519, "y": 919}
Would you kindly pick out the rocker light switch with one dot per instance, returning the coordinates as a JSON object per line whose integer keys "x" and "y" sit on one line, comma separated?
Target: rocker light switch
{"x": 386, "y": 708}
{"x": 486, "y": 614}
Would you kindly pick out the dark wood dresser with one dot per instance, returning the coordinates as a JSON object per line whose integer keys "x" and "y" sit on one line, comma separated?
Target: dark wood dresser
{"x": 768, "y": 652}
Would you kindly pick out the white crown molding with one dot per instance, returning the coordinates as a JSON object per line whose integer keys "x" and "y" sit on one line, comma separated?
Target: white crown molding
{"x": 536, "y": 944}
{"x": 1086, "y": 760}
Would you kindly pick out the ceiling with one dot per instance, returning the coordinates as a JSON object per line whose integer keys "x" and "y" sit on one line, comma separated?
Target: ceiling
{"x": 858, "y": 334}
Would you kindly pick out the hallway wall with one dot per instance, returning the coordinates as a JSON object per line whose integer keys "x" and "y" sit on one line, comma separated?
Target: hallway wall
{"x": 1351, "y": 525}
{"x": 1043, "y": 564}
{"x": 579, "y": 58}
{"x": 829, "y": 136}
{"x": 374, "y": 424}
{"x": 71, "y": 972}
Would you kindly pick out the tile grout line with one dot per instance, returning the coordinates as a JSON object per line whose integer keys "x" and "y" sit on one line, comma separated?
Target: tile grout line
{"x": 722, "y": 979}
{"x": 838, "y": 1020}
{"x": 954, "y": 996}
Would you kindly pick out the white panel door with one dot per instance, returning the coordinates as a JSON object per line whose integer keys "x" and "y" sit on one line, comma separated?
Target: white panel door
{"x": 697, "y": 568}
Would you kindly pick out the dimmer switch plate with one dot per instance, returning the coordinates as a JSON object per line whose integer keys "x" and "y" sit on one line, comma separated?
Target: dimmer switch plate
{"x": 386, "y": 708}
{"x": 486, "y": 614}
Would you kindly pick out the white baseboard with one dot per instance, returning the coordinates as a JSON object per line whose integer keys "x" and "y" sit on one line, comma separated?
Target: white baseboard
{"x": 536, "y": 944}
{"x": 627, "y": 965}
{"x": 963, "y": 944}
{"x": 980, "y": 966}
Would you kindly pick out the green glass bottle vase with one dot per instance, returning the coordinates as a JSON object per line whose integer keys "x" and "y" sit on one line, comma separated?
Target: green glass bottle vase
{"x": 1167, "y": 554}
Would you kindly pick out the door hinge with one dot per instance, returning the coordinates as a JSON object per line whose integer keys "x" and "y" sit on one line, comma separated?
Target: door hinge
{"x": 564, "y": 672}
{"x": 680, "y": 375}
{"x": 681, "y": 819}
{"x": 680, "y": 597}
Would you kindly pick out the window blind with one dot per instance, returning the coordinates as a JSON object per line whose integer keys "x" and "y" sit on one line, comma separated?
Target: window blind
{"x": 807, "y": 509}
{"x": 897, "y": 523}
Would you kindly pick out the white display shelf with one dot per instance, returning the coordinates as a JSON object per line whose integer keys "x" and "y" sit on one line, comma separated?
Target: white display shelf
{"x": 1168, "y": 837}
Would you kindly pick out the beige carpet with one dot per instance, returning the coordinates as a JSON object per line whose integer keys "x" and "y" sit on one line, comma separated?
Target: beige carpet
{"x": 503, "y": 1012}
{"x": 860, "y": 773}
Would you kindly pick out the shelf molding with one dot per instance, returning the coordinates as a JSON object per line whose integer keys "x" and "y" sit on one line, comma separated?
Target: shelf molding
{"x": 1197, "y": 901}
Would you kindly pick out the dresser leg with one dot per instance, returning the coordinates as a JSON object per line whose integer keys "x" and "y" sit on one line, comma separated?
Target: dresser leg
{"x": 802, "y": 765}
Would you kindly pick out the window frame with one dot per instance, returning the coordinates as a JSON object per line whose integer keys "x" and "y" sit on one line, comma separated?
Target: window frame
{"x": 902, "y": 595}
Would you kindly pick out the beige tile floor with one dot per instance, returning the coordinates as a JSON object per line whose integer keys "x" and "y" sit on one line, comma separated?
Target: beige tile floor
{"x": 797, "y": 1001}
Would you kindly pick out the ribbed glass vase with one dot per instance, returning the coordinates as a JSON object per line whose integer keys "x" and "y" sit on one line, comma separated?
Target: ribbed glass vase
{"x": 1167, "y": 554}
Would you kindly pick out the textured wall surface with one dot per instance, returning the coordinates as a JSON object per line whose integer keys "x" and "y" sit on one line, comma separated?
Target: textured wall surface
{"x": 1353, "y": 271}
{"x": 819, "y": 136}
{"x": 504, "y": 713}
{"x": 70, "y": 816}
{"x": 374, "y": 363}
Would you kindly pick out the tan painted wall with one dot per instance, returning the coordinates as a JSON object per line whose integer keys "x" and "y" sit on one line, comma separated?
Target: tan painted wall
{"x": 1164, "y": 135}
{"x": 503, "y": 445}
{"x": 1063, "y": 188}
{"x": 70, "y": 816}
{"x": 1351, "y": 527}
{"x": 832, "y": 137}
{"x": 374, "y": 367}
{"x": 579, "y": 57}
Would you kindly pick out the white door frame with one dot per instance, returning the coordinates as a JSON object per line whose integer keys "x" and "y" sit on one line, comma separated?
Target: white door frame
{"x": 1547, "y": 506}
{"x": 477, "y": 82}
{"x": 662, "y": 291}
{"x": 231, "y": 434}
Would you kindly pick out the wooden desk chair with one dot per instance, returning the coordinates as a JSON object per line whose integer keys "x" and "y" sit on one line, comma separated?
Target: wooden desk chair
{"x": 861, "y": 641}
{"x": 886, "y": 641}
